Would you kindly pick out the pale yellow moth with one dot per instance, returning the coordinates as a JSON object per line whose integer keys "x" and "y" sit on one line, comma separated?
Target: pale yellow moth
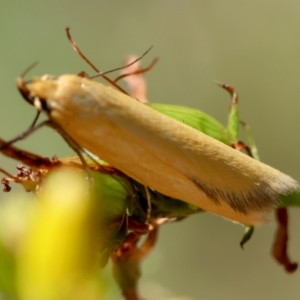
{"x": 157, "y": 151}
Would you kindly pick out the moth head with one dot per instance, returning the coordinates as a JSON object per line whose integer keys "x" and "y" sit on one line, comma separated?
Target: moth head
{"x": 37, "y": 91}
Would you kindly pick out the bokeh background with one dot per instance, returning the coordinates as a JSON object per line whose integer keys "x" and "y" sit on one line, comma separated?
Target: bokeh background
{"x": 252, "y": 45}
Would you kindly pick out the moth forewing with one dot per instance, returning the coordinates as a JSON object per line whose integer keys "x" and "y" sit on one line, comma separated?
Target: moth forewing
{"x": 160, "y": 152}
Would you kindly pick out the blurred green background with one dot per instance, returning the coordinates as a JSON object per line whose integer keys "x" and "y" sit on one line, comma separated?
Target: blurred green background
{"x": 252, "y": 45}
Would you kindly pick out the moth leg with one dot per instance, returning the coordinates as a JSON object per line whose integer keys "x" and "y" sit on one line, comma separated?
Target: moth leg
{"x": 78, "y": 150}
{"x": 148, "y": 198}
{"x": 25, "y": 134}
{"x": 33, "y": 123}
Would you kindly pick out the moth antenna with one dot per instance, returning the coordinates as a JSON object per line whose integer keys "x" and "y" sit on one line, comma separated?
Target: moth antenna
{"x": 21, "y": 84}
{"x": 77, "y": 49}
{"x": 28, "y": 69}
{"x": 140, "y": 71}
{"x": 124, "y": 67}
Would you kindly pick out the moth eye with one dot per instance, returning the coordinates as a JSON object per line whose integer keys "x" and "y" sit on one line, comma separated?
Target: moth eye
{"x": 41, "y": 104}
{"x": 37, "y": 103}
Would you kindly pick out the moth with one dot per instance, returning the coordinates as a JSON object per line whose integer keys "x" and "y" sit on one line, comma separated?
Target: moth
{"x": 155, "y": 150}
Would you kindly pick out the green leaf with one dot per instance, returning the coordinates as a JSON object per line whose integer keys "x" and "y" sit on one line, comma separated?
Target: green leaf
{"x": 194, "y": 118}
{"x": 292, "y": 199}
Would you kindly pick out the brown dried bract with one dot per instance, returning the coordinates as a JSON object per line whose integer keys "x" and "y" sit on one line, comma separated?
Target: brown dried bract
{"x": 30, "y": 178}
{"x": 280, "y": 245}
{"x": 5, "y": 182}
{"x": 126, "y": 261}
{"x": 240, "y": 146}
